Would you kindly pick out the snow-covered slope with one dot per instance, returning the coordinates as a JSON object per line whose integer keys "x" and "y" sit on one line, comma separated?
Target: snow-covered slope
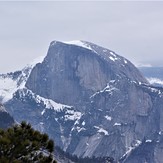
{"x": 44, "y": 114}
{"x": 11, "y": 82}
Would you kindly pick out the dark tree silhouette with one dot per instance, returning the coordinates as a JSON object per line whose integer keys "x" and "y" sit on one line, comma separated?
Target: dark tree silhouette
{"x": 22, "y": 144}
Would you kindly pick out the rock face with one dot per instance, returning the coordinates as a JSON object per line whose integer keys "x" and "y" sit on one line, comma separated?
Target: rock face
{"x": 5, "y": 119}
{"x": 71, "y": 74}
{"x": 92, "y": 101}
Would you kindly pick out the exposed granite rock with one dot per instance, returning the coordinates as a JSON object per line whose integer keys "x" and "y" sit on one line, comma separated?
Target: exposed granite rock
{"x": 71, "y": 74}
{"x": 5, "y": 119}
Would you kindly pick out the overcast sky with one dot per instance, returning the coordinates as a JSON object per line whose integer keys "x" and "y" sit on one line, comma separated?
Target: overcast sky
{"x": 131, "y": 29}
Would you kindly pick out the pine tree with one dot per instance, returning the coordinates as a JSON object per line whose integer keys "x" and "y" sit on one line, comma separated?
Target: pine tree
{"x": 23, "y": 144}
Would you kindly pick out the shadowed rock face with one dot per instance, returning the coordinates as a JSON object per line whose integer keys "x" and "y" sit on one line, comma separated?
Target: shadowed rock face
{"x": 112, "y": 108}
{"x": 5, "y": 119}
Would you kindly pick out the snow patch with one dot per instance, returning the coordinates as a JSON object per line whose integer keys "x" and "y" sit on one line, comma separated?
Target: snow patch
{"x": 125, "y": 61}
{"x": 109, "y": 118}
{"x": 79, "y": 43}
{"x": 117, "y": 124}
{"x": 153, "y": 90}
{"x": 112, "y": 53}
{"x": 108, "y": 89}
{"x": 72, "y": 115}
{"x": 83, "y": 123}
{"x": 79, "y": 129}
{"x": 148, "y": 141}
{"x": 113, "y": 59}
{"x": 101, "y": 130}
{"x": 42, "y": 113}
{"x": 138, "y": 142}
{"x": 49, "y": 104}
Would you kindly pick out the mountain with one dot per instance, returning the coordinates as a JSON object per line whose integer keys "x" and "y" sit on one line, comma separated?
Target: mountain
{"x": 11, "y": 82}
{"x": 90, "y": 100}
{"x": 153, "y": 74}
{"x": 5, "y": 119}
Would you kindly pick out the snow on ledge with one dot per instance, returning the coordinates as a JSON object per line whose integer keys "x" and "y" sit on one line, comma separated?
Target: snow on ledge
{"x": 48, "y": 103}
{"x": 78, "y": 43}
{"x": 109, "y": 118}
{"x": 117, "y": 124}
{"x": 148, "y": 141}
{"x": 131, "y": 148}
{"x": 101, "y": 130}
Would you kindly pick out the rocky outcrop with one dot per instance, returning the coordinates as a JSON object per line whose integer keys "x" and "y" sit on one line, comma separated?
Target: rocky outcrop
{"x": 5, "y": 119}
{"x": 70, "y": 74}
{"x": 107, "y": 107}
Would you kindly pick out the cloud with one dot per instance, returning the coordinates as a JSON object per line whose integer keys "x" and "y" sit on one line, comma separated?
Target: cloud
{"x": 155, "y": 81}
{"x": 132, "y": 29}
{"x": 142, "y": 65}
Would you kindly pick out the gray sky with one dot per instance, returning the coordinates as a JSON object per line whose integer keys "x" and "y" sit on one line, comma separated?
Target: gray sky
{"x": 132, "y": 29}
